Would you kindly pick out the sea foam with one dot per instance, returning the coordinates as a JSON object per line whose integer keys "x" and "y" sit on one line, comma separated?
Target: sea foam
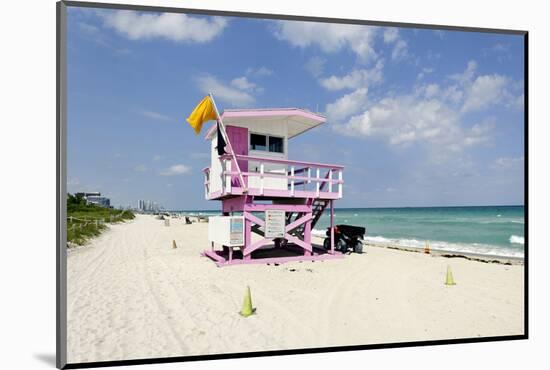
{"x": 514, "y": 239}
{"x": 473, "y": 248}
{"x": 318, "y": 232}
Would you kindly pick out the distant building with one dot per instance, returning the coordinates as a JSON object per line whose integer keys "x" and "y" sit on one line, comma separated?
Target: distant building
{"x": 100, "y": 201}
{"x": 148, "y": 206}
{"x": 85, "y": 195}
{"x": 95, "y": 197}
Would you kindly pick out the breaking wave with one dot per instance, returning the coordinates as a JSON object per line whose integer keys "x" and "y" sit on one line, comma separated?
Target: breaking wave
{"x": 514, "y": 239}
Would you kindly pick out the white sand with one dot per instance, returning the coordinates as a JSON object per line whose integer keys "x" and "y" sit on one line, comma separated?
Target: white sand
{"x": 130, "y": 296}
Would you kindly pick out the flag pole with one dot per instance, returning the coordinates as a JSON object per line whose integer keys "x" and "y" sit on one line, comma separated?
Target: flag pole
{"x": 228, "y": 143}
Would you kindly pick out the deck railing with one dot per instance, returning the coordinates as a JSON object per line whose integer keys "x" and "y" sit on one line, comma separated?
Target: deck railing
{"x": 281, "y": 177}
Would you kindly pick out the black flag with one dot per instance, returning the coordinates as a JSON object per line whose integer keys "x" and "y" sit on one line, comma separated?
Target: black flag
{"x": 221, "y": 142}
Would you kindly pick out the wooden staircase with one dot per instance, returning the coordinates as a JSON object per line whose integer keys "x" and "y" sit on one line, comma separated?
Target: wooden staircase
{"x": 317, "y": 208}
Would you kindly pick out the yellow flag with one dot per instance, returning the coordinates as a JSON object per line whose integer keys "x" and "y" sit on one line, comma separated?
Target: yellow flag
{"x": 202, "y": 113}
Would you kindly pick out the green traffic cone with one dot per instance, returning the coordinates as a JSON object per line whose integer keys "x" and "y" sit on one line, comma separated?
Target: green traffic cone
{"x": 247, "y": 304}
{"x": 449, "y": 280}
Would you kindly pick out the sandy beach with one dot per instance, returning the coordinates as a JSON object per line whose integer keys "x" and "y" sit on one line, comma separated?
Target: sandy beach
{"x": 131, "y": 295}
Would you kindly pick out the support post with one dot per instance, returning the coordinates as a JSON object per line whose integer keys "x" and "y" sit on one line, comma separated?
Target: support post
{"x": 318, "y": 181}
{"x": 307, "y": 237}
{"x": 206, "y": 185}
{"x": 292, "y": 181}
{"x": 247, "y": 236}
{"x": 331, "y": 227}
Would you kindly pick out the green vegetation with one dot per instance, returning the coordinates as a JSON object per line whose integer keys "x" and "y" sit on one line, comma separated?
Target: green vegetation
{"x": 85, "y": 221}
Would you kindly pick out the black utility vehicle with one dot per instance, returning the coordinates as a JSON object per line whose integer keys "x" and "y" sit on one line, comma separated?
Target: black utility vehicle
{"x": 346, "y": 237}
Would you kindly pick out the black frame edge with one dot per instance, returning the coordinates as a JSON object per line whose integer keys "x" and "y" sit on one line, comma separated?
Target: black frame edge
{"x": 224, "y": 356}
{"x": 526, "y": 182}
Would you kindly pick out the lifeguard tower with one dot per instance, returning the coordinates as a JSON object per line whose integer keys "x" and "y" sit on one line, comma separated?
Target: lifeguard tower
{"x": 270, "y": 204}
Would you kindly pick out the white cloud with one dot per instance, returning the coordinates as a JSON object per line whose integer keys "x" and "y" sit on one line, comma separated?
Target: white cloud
{"x": 429, "y": 113}
{"x": 519, "y": 102}
{"x": 73, "y": 181}
{"x": 157, "y": 157}
{"x": 155, "y": 115}
{"x": 478, "y": 133}
{"x": 432, "y": 56}
{"x": 259, "y": 72}
{"x": 228, "y": 93}
{"x": 424, "y": 72}
{"x": 421, "y": 116}
{"x": 242, "y": 83}
{"x": 391, "y": 34}
{"x": 315, "y": 66}
{"x": 175, "y": 27}
{"x": 94, "y": 33}
{"x": 501, "y": 47}
{"x": 400, "y": 48}
{"x": 429, "y": 90}
{"x": 507, "y": 162}
{"x": 405, "y": 119}
{"x": 453, "y": 94}
{"x": 440, "y": 34}
{"x": 347, "y": 105}
{"x": 355, "y": 79}
{"x": 485, "y": 91}
{"x": 88, "y": 28}
{"x": 478, "y": 92}
{"x": 467, "y": 75}
{"x": 329, "y": 37}
{"x": 177, "y": 169}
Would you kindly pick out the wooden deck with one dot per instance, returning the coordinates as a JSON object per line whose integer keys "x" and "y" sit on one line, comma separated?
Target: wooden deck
{"x": 271, "y": 255}
{"x": 303, "y": 180}
{"x": 268, "y": 193}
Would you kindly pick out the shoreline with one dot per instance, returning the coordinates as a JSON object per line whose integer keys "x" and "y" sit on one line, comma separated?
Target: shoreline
{"x": 485, "y": 258}
{"x": 482, "y": 257}
{"x": 472, "y": 256}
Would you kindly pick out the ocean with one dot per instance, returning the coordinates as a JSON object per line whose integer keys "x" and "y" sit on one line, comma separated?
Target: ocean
{"x": 487, "y": 230}
{"x": 490, "y": 230}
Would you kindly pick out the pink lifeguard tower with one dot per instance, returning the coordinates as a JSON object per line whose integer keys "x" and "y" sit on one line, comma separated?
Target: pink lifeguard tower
{"x": 270, "y": 204}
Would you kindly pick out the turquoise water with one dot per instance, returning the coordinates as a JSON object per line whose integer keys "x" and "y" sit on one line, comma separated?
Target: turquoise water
{"x": 490, "y": 230}
{"x": 494, "y": 230}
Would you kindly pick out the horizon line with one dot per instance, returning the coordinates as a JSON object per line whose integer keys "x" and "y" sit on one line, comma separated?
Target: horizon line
{"x": 384, "y": 207}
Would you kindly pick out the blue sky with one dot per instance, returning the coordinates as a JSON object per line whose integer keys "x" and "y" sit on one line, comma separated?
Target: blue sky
{"x": 418, "y": 117}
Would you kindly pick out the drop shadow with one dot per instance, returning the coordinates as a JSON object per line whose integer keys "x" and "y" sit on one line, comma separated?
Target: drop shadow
{"x": 47, "y": 358}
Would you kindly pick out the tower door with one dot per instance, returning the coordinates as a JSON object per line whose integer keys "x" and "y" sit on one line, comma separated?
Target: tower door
{"x": 239, "y": 141}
